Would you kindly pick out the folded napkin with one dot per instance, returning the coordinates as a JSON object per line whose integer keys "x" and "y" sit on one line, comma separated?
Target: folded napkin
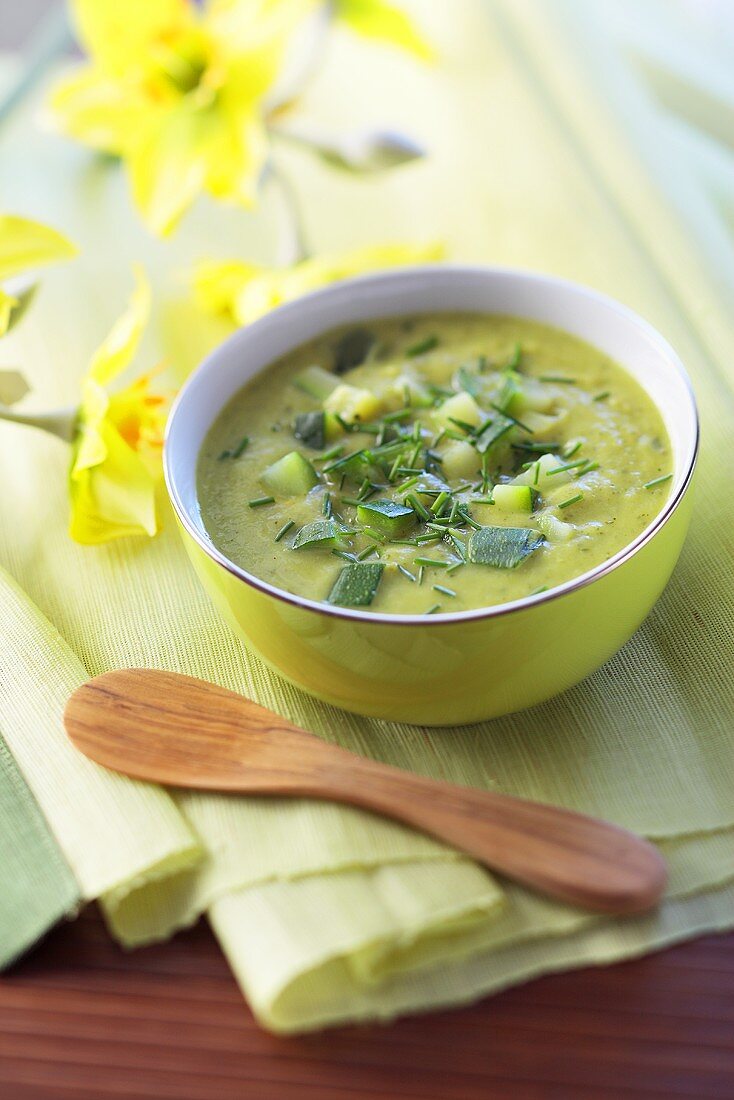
{"x": 328, "y": 914}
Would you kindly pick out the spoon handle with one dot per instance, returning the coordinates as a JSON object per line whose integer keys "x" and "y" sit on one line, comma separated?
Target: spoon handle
{"x": 178, "y": 730}
{"x": 569, "y": 856}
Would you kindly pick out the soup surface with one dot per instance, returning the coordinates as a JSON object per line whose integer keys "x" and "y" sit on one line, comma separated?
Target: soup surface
{"x": 433, "y": 464}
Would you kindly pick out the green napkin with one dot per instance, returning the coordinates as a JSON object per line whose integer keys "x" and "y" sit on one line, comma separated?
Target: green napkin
{"x": 38, "y": 889}
{"x": 328, "y": 914}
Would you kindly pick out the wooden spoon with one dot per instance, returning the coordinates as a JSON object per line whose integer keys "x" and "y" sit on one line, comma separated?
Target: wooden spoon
{"x": 177, "y": 730}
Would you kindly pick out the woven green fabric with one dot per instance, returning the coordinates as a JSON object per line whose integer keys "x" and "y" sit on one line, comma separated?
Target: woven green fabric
{"x": 542, "y": 155}
{"x": 37, "y": 887}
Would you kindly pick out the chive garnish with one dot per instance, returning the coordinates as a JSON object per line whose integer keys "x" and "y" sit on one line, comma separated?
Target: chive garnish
{"x": 455, "y": 566}
{"x": 559, "y": 379}
{"x": 432, "y": 610}
{"x": 417, "y": 506}
{"x": 439, "y": 502}
{"x": 407, "y": 573}
{"x": 259, "y": 501}
{"x": 573, "y": 450}
{"x": 284, "y": 530}
{"x": 514, "y": 361}
{"x": 326, "y": 507}
{"x": 434, "y": 562}
{"x": 344, "y": 554}
{"x": 442, "y": 588}
{"x": 571, "y": 500}
{"x": 335, "y": 452}
{"x": 589, "y": 467}
{"x": 428, "y": 343}
{"x": 468, "y": 429}
{"x": 241, "y": 446}
{"x": 366, "y": 552}
{"x": 537, "y": 591}
{"x": 567, "y": 466}
{"x": 657, "y": 481}
{"x": 421, "y": 571}
{"x": 394, "y": 417}
{"x": 603, "y": 396}
{"x": 468, "y": 519}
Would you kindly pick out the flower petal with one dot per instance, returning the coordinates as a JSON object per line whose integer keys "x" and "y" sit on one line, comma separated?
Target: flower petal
{"x": 113, "y": 498}
{"x": 169, "y": 168}
{"x": 381, "y": 20}
{"x": 102, "y": 112}
{"x": 245, "y": 292}
{"x": 119, "y": 34}
{"x": 117, "y": 350}
{"x": 25, "y": 244}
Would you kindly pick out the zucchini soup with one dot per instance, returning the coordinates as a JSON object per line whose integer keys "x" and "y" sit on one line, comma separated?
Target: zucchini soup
{"x": 433, "y": 464}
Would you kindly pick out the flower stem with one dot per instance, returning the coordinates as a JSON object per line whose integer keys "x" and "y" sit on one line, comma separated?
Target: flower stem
{"x": 59, "y": 422}
{"x": 292, "y": 246}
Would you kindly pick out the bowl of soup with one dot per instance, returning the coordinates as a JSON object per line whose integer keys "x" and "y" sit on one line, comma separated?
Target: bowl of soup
{"x": 438, "y": 494}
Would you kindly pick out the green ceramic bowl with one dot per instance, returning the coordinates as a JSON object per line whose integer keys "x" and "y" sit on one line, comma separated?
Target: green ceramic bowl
{"x": 453, "y": 668}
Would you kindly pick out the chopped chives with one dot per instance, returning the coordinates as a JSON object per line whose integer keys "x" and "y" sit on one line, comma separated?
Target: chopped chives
{"x": 421, "y": 571}
{"x": 468, "y": 429}
{"x": 284, "y": 530}
{"x": 537, "y": 591}
{"x": 417, "y": 506}
{"x": 432, "y": 610}
{"x": 455, "y": 566}
{"x": 574, "y": 450}
{"x": 407, "y": 573}
{"x": 345, "y": 555}
{"x": 241, "y": 446}
{"x": 259, "y": 501}
{"x": 394, "y": 417}
{"x": 439, "y": 502}
{"x": 442, "y": 588}
{"x": 335, "y": 452}
{"x": 603, "y": 396}
{"x": 468, "y": 519}
{"x": 571, "y": 500}
{"x": 428, "y": 343}
{"x": 559, "y": 379}
{"x": 408, "y": 471}
{"x": 434, "y": 562}
{"x": 366, "y": 552}
{"x": 589, "y": 467}
{"x": 657, "y": 481}
{"x": 567, "y": 466}
{"x": 326, "y": 507}
{"x": 513, "y": 419}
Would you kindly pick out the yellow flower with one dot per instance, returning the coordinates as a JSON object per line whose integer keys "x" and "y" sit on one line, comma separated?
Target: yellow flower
{"x": 115, "y": 463}
{"x": 178, "y": 93}
{"x": 24, "y": 246}
{"x": 383, "y": 21}
{"x": 244, "y": 292}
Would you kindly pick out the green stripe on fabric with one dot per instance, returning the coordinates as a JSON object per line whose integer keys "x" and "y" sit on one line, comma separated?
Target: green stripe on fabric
{"x": 37, "y": 887}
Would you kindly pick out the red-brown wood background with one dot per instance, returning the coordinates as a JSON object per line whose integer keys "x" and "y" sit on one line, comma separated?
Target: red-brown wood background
{"x": 82, "y": 1020}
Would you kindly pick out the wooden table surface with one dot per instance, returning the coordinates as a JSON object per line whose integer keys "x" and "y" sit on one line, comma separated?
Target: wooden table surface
{"x": 82, "y": 1020}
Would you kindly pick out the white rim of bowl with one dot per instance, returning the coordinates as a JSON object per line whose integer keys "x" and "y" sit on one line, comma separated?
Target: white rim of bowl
{"x": 445, "y": 618}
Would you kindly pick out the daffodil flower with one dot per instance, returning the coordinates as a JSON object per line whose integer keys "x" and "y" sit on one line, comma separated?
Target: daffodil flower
{"x": 117, "y": 445}
{"x": 183, "y": 93}
{"x": 116, "y": 434}
{"x": 178, "y": 92}
{"x": 243, "y": 291}
{"x": 24, "y": 246}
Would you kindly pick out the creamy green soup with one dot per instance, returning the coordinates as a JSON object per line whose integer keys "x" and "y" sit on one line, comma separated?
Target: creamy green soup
{"x": 433, "y": 464}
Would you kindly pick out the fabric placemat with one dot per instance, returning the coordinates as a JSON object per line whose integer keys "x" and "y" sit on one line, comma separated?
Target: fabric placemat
{"x": 38, "y": 888}
{"x": 329, "y": 914}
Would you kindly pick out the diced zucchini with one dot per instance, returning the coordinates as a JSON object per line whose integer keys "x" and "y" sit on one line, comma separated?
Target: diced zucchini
{"x": 292, "y": 475}
{"x": 311, "y": 429}
{"x": 320, "y": 532}
{"x": 503, "y": 547}
{"x": 554, "y": 529}
{"x": 461, "y": 407}
{"x": 497, "y": 427}
{"x": 356, "y": 584}
{"x": 352, "y": 349}
{"x": 353, "y": 405}
{"x": 459, "y": 459}
{"x": 540, "y": 475}
{"x": 387, "y": 517}
{"x": 405, "y": 390}
{"x": 514, "y": 498}
{"x": 316, "y": 382}
{"x": 332, "y": 428}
